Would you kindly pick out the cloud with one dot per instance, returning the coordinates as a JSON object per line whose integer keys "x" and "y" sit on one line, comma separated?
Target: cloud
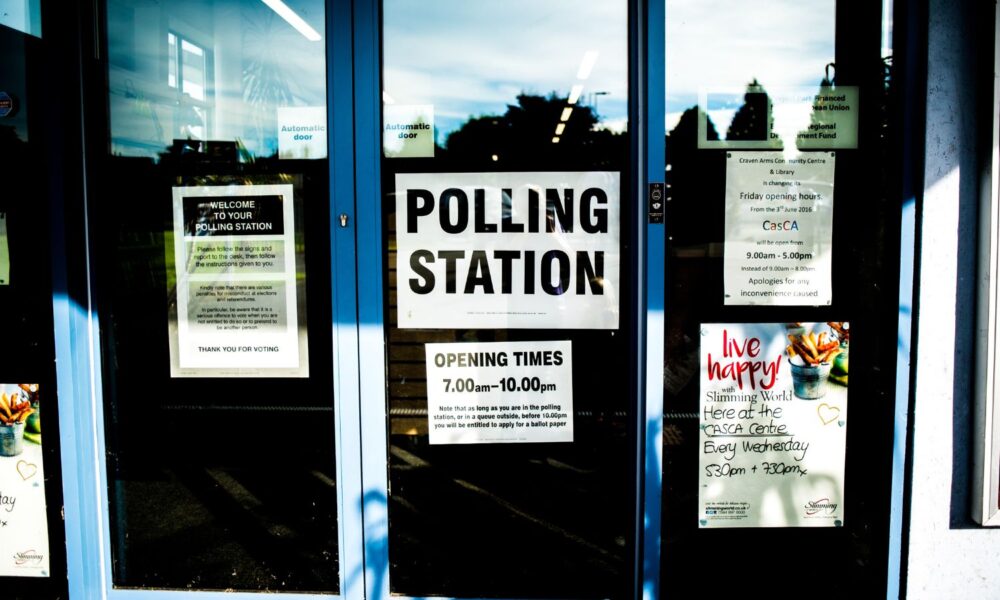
{"x": 471, "y": 58}
{"x": 721, "y": 44}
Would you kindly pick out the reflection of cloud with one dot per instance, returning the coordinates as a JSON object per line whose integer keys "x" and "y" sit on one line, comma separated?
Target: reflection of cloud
{"x": 474, "y": 58}
{"x": 613, "y": 125}
{"x": 722, "y": 118}
{"x": 782, "y": 43}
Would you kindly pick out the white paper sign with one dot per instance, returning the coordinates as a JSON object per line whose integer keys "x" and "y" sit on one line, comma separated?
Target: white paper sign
{"x": 761, "y": 117}
{"x": 779, "y": 228}
{"x": 500, "y": 392}
{"x": 507, "y": 250}
{"x": 234, "y": 252}
{"x": 408, "y": 130}
{"x": 773, "y": 428}
{"x": 24, "y": 537}
{"x": 301, "y": 132}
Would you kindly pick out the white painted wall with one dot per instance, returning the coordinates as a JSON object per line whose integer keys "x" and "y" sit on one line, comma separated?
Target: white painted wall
{"x": 949, "y": 556}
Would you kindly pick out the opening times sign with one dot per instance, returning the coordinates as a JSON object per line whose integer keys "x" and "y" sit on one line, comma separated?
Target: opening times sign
{"x": 500, "y": 392}
{"x": 508, "y": 250}
{"x": 773, "y": 426}
{"x": 237, "y": 311}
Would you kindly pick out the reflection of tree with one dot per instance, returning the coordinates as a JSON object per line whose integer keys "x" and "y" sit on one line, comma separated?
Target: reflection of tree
{"x": 265, "y": 82}
{"x": 522, "y": 137}
{"x": 817, "y": 118}
{"x": 751, "y": 120}
{"x": 694, "y": 219}
{"x": 696, "y": 178}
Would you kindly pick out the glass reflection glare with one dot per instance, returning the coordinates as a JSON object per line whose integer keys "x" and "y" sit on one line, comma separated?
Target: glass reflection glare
{"x": 780, "y": 44}
{"x": 440, "y": 53}
{"x": 211, "y": 70}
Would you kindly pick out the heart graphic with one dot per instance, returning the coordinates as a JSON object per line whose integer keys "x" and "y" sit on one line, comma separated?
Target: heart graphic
{"x": 827, "y": 414}
{"x": 841, "y": 423}
{"x": 703, "y": 522}
{"x": 26, "y": 469}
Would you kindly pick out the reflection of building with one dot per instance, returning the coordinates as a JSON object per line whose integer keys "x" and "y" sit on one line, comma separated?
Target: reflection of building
{"x": 181, "y": 71}
{"x": 328, "y": 483}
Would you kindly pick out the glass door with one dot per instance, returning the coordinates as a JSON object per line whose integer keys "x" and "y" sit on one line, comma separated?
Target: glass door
{"x": 507, "y": 420}
{"x": 782, "y": 220}
{"x": 470, "y": 424}
{"x": 219, "y": 261}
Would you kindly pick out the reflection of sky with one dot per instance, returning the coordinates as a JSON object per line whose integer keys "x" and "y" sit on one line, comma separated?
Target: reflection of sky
{"x": 471, "y": 58}
{"x": 724, "y": 44}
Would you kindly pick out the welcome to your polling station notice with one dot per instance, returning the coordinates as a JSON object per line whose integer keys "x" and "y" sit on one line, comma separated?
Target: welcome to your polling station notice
{"x": 508, "y": 250}
{"x": 237, "y": 309}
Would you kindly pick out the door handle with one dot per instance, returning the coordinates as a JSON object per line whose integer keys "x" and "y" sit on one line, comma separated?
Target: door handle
{"x": 343, "y": 219}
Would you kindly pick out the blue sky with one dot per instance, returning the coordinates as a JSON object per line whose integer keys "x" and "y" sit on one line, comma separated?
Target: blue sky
{"x": 473, "y": 58}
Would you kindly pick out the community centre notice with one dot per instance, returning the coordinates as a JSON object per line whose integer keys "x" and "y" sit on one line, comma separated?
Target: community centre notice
{"x": 508, "y": 250}
{"x": 779, "y": 228}
{"x": 237, "y": 297}
{"x": 500, "y": 392}
{"x": 773, "y": 424}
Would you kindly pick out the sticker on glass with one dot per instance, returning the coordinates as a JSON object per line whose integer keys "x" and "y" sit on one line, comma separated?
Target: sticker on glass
{"x": 408, "y": 130}
{"x": 301, "y": 132}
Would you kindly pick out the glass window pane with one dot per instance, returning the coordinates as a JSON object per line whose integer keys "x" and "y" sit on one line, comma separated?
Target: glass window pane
{"x": 214, "y": 272}
{"x": 526, "y": 96}
{"x": 781, "y": 222}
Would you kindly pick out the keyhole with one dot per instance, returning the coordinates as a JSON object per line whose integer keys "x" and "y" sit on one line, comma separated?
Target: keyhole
{"x": 343, "y": 219}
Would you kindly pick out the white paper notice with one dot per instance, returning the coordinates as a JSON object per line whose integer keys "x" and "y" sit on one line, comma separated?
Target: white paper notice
{"x": 807, "y": 118}
{"x": 408, "y": 130}
{"x": 507, "y": 250}
{"x": 234, "y": 252}
{"x": 773, "y": 427}
{"x": 24, "y": 537}
{"x": 500, "y": 392}
{"x": 779, "y": 228}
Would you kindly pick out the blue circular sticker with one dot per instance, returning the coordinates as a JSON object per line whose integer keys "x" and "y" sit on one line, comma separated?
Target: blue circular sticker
{"x": 6, "y": 104}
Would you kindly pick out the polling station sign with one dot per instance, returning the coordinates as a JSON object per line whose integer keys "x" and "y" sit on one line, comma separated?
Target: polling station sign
{"x": 508, "y": 250}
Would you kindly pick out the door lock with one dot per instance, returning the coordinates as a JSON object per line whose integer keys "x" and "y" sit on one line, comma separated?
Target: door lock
{"x": 343, "y": 219}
